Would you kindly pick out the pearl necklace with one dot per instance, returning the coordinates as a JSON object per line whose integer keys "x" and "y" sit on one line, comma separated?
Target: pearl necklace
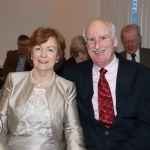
{"x": 39, "y": 84}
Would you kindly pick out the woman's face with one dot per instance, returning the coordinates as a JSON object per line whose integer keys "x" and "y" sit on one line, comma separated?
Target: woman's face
{"x": 45, "y": 55}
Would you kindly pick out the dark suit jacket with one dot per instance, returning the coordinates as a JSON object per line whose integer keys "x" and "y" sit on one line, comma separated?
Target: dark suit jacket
{"x": 131, "y": 127}
{"x": 11, "y": 63}
{"x": 144, "y": 56}
{"x": 70, "y": 61}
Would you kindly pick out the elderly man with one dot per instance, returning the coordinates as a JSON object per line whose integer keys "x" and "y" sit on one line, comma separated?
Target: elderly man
{"x": 112, "y": 93}
{"x": 131, "y": 40}
{"x": 15, "y": 59}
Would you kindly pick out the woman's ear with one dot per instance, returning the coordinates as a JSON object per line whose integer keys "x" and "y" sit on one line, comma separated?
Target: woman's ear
{"x": 57, "y": 60}
{"x": 80, "y": 54}
{"x": 31, "y": 57}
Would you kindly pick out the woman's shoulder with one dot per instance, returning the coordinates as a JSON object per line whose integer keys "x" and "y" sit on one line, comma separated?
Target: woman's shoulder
{"x": 19, "y": 75}
{"x": 63, "y": 81}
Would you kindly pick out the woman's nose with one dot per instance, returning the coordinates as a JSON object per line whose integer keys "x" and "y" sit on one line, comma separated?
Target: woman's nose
{"x": 43, "y": 53}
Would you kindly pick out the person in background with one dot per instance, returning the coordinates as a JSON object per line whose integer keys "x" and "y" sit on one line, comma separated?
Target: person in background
{"x": 38, "y": 108}
{"x": 113, "y": 94}
{"x": 15, "y": 59}
{"x": 131, "y": 39}
{"x": 78, "y": 51}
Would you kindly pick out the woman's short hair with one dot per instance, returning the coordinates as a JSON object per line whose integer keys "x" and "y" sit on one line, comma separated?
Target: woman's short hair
{"x": 77, "y": 45}
{"x": 40, "y": 36}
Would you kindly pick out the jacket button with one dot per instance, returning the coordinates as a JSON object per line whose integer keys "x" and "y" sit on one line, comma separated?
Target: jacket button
{"x": 106, "y": 132}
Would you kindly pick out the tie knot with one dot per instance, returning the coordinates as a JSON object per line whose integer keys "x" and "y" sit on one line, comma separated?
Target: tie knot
{"x": 133, "y": 55}
{"x": 103, "y": 71}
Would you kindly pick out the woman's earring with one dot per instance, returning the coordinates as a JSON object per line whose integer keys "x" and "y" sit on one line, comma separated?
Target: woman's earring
{"x": 31, "y": 57}
{"x": 57, "y": 61}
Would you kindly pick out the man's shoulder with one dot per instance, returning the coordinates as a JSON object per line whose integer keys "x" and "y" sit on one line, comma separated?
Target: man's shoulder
{"x": 123, "y": 54}
{"x": 133, "y": 66}
{"x": 80, "y": 66}
{"x": 145, "y": 50}
{"x": 77, "y": 70}
{"x": 12, "y": 52}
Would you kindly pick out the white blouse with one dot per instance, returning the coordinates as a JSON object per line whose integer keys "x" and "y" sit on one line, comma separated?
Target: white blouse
{"x": 34, "y": 129}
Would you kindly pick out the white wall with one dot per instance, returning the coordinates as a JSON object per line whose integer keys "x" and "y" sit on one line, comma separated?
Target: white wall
{"x": 20, "y": 17}
{"x": 70, "y": 17}
{"x": 23, "y": 16}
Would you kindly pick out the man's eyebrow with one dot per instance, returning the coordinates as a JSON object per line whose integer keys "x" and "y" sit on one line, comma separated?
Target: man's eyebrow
{"x": 105, "y": 35}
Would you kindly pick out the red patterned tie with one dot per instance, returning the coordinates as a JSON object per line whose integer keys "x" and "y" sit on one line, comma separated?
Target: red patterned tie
{"x": 105, "y": 103}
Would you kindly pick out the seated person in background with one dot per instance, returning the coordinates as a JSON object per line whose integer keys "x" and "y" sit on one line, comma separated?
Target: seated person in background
{"x": 131, "y": 40}
{"x": 78, "y": 51}
{"x": 60, "y": 68}
{"x": 15, "y": 59}
{"x": 38, "y": 108}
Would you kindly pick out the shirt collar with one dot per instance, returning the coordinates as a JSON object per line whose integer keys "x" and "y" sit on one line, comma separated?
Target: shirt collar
{"x": 110, "y": 68}
{"x": 137, "y": 53}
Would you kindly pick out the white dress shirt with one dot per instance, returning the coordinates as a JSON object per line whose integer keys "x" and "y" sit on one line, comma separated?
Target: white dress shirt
{"x": 137, "y": 57}
{"x": 21, "y": 63}
{"x": 111, "y": 77}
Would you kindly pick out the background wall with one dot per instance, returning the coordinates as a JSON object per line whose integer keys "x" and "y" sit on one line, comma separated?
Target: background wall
{"x": 23, "y": 16}
{"x": 70, "y": 17}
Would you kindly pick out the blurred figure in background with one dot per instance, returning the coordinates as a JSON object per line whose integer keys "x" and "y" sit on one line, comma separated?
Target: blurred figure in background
{"x": 15, "y": 59}
{"x": 78, "y": 51}
{"x": 131, "y": 39}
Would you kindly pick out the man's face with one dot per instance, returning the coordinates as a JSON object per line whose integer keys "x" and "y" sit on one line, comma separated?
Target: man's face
{"x": 131, "y": 41}
{"x": 22, "y": 46}
{"x": 100, "y": 43}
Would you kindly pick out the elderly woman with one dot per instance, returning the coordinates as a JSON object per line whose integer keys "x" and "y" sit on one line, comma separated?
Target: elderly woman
{"x": 78, "y": 51}
{"x": 38, "y": 108}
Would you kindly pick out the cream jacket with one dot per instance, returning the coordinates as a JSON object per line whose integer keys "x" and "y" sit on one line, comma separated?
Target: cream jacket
{"x": 61, "y": 96}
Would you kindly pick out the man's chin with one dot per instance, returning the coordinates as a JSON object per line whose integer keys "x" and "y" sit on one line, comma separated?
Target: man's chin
{"x": 130, "y": 51}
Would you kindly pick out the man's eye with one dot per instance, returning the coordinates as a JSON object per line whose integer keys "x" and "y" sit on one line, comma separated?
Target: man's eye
{"x": 103, "y": 38}
{"x": 90, "y": 39}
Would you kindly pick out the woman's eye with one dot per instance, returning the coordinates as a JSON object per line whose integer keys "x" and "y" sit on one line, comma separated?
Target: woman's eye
{"x": 37, "y": 48}
{"x": 50, "y": 50}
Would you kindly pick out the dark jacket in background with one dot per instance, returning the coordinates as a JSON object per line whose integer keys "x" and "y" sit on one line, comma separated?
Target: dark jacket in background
{"x": 144, "y": 56}
{"x": 11, "y": 63}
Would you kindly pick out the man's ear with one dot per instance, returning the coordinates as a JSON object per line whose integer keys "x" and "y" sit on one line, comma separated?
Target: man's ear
{"x": 115, "y": 42}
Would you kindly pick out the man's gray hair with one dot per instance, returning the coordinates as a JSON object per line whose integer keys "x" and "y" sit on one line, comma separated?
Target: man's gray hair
{"x": 113, "y": 31}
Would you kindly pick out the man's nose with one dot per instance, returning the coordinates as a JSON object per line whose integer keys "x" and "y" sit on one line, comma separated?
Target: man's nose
{"x": 97, "y": 44}
{"x": 129, "y": 43}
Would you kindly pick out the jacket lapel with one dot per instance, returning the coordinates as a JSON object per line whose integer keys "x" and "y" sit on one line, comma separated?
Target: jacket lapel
{"x": 122, "y": 89}
{"x": 87, "y": 85}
